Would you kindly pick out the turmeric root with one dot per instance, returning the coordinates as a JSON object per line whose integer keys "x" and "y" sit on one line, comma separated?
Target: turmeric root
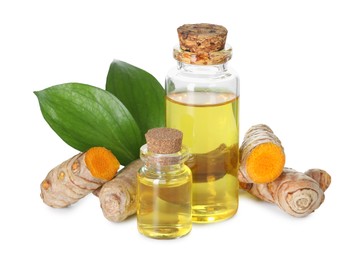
{"x": 262, "y": 156}
{"x": 78, "y": 176}
{"x": 213, "y": 164}
{"x": 118, "y": 196}
{"x": 298, "y": 194}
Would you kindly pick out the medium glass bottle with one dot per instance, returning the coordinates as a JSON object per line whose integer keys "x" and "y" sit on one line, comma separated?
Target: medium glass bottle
{"x": 164, "y": 186}
{"x": 202, "y": 95}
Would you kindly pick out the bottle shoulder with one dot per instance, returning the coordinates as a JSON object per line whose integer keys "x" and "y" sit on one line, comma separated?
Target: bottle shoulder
{"x": 176, "y": 178}
{"x": 213, "y": 80}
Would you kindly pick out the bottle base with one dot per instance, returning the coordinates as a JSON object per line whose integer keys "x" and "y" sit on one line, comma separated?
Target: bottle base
{"x": 208, "y": 214}
{"x": 164, "y": 232}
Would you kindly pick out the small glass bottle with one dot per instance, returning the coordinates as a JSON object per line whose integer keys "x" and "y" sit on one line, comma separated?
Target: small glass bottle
{"x": 202, "y": 95}
{"x": 164, "y": 186}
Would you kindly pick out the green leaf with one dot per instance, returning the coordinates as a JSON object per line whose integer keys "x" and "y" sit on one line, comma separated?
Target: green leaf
{"x": 85, "y": 116}
{"x": 140, "y": 92}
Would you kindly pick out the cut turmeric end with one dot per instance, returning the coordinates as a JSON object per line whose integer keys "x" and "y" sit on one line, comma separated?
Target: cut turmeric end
{"x": 265, "y": 163}
{"x": 101, "y": 163}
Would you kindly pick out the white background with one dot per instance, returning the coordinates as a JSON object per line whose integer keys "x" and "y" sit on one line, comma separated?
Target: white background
{"x": 301, "y": 69}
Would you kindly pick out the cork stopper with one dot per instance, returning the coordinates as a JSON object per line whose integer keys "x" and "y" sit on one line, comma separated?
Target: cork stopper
{"x": 202, "y": 37}
{"x": 164, "y": 140}
{"x": 202, "y": 44}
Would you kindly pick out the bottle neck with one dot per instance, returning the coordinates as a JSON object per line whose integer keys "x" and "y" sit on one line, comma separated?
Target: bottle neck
{"x": 202, "y": 69}
{"x": 163, "y": 163}
{"x": 162, "y": 168}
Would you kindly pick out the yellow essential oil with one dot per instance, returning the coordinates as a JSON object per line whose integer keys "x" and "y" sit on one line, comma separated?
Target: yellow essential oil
{"x": 209, "y": 122}
{"x": 164, "y": 194}
{"x": 164, "y": 204}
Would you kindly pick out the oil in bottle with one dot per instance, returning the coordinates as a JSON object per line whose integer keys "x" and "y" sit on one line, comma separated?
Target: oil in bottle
{"x": 209, "y": 122}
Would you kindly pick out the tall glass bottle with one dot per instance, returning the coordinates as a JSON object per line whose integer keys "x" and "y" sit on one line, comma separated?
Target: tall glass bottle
{"x": 202, "y": 101}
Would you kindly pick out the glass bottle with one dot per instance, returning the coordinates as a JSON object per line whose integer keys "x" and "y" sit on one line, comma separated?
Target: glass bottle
{"x": 202, "y": 95}
{"x": 164, "y": 186}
